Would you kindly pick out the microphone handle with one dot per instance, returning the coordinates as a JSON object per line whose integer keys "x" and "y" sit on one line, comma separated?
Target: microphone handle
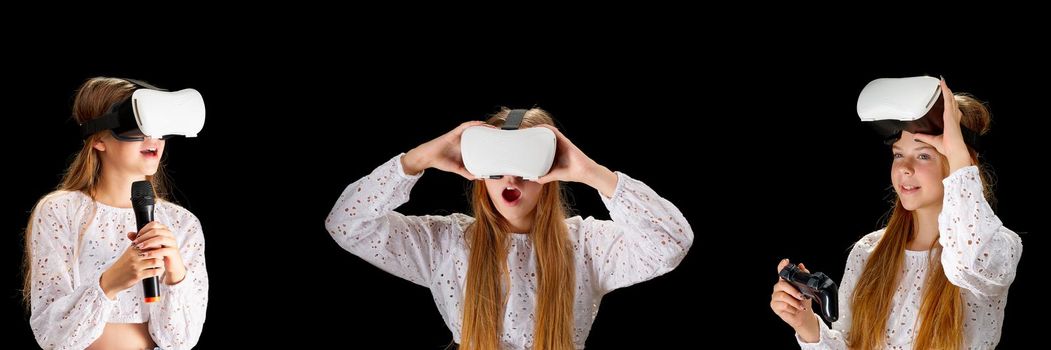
{"x": 150, "y": 285}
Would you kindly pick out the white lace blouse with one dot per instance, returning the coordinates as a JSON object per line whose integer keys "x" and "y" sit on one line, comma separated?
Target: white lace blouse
{"x": 979, "y": 255}
{"x": 74, "y": 239}
{"x": 647, "y": 238}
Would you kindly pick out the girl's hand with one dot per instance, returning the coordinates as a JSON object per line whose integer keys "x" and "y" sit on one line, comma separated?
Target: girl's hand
{"x": 155, "y": 241}
{"x": 571, "y": 164}
{"x": 794, "y": 308}
{"x": 442, "y": 153}
{"x": 950, "y": 143}
{"x": 130, "y": 268}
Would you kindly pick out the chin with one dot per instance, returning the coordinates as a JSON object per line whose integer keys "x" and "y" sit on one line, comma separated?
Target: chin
{"x": 509, "y": 216}
{"x": 908, "y": 204}
{"x": 912, "y": 205}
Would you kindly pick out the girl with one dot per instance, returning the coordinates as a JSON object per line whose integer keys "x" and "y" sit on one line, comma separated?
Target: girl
{"x": 518, "y": 274}
{"x": 84, "y": 260}
{"x": 936, "y": 277}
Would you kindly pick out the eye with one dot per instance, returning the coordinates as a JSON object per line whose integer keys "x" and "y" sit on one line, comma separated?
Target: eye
{"x": 925, "y": 156}
{"x": 898, "y": 155}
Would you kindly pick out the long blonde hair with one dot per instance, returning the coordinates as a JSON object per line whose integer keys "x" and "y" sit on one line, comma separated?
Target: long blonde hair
{"x": 488, "y": 240}
{"x": 93, "y": 99}
{"x": 941, "y": 309}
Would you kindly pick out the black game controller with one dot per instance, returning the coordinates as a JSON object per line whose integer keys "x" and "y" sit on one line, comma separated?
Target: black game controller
{"x": 816, "y": 286}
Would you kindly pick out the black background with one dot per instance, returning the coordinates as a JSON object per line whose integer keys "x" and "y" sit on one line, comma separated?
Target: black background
{"x": 761, "y": 150}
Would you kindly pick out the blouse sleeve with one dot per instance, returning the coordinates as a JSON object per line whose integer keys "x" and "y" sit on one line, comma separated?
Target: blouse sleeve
{"x": 647, "y": 237}
{"x": 177, "y": 322}
{"x": 980, "y": 254}
{"x": 62, "y": 315}
{"x": 364, "y": 222}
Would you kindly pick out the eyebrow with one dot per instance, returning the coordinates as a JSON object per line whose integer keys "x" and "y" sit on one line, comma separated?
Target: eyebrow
{"x": 896, "y": 148}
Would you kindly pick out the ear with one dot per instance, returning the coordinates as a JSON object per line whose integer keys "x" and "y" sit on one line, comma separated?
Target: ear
{"x": 100, "y": 146}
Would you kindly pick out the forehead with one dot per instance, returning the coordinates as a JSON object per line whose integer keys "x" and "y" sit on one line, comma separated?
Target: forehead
{"x": 907, "y": 141}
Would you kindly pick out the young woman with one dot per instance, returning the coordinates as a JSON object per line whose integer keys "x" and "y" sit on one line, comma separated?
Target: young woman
{"x": 85, "y": 261}
{"x": 936, "y": 277}
{"x": 518, "y": 274}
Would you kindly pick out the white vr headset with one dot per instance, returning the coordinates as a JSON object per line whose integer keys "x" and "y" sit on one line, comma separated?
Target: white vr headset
{"x": 152, "y": 112}
{"x": 493, "y": 153}
{"x": 914, "y": 104}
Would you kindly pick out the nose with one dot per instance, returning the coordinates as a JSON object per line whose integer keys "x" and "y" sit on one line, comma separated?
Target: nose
{"x": 906, "y": 167}
{"x": 149, "y": 142}
{"x": 512, "y": 180}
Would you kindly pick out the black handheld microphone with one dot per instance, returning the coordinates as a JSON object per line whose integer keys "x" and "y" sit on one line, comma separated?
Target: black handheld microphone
{"x": 142, "y": 203}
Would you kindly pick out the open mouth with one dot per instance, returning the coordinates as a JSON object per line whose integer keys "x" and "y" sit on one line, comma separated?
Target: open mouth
{"x": 908, "y": 189}
{"x": 149, "y": 152}
{"x": 511, "y": 194}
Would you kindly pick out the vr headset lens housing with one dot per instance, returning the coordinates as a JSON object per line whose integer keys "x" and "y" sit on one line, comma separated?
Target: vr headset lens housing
{"x": 152, "y": 113}
{"x": 492, "y": 153}
{"x": 893, "y": 105}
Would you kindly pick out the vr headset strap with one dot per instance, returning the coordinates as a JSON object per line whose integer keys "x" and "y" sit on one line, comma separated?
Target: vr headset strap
{"x": 971, "y": 138}
{"x": 105, "y": 122}
{"x": 112, "y": 118}
{"x": 143, "y": 84}
{"x": 514, "y": 119}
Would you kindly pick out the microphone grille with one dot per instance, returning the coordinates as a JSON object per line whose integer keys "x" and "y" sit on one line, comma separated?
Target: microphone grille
{"x": 141, "y": 193}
